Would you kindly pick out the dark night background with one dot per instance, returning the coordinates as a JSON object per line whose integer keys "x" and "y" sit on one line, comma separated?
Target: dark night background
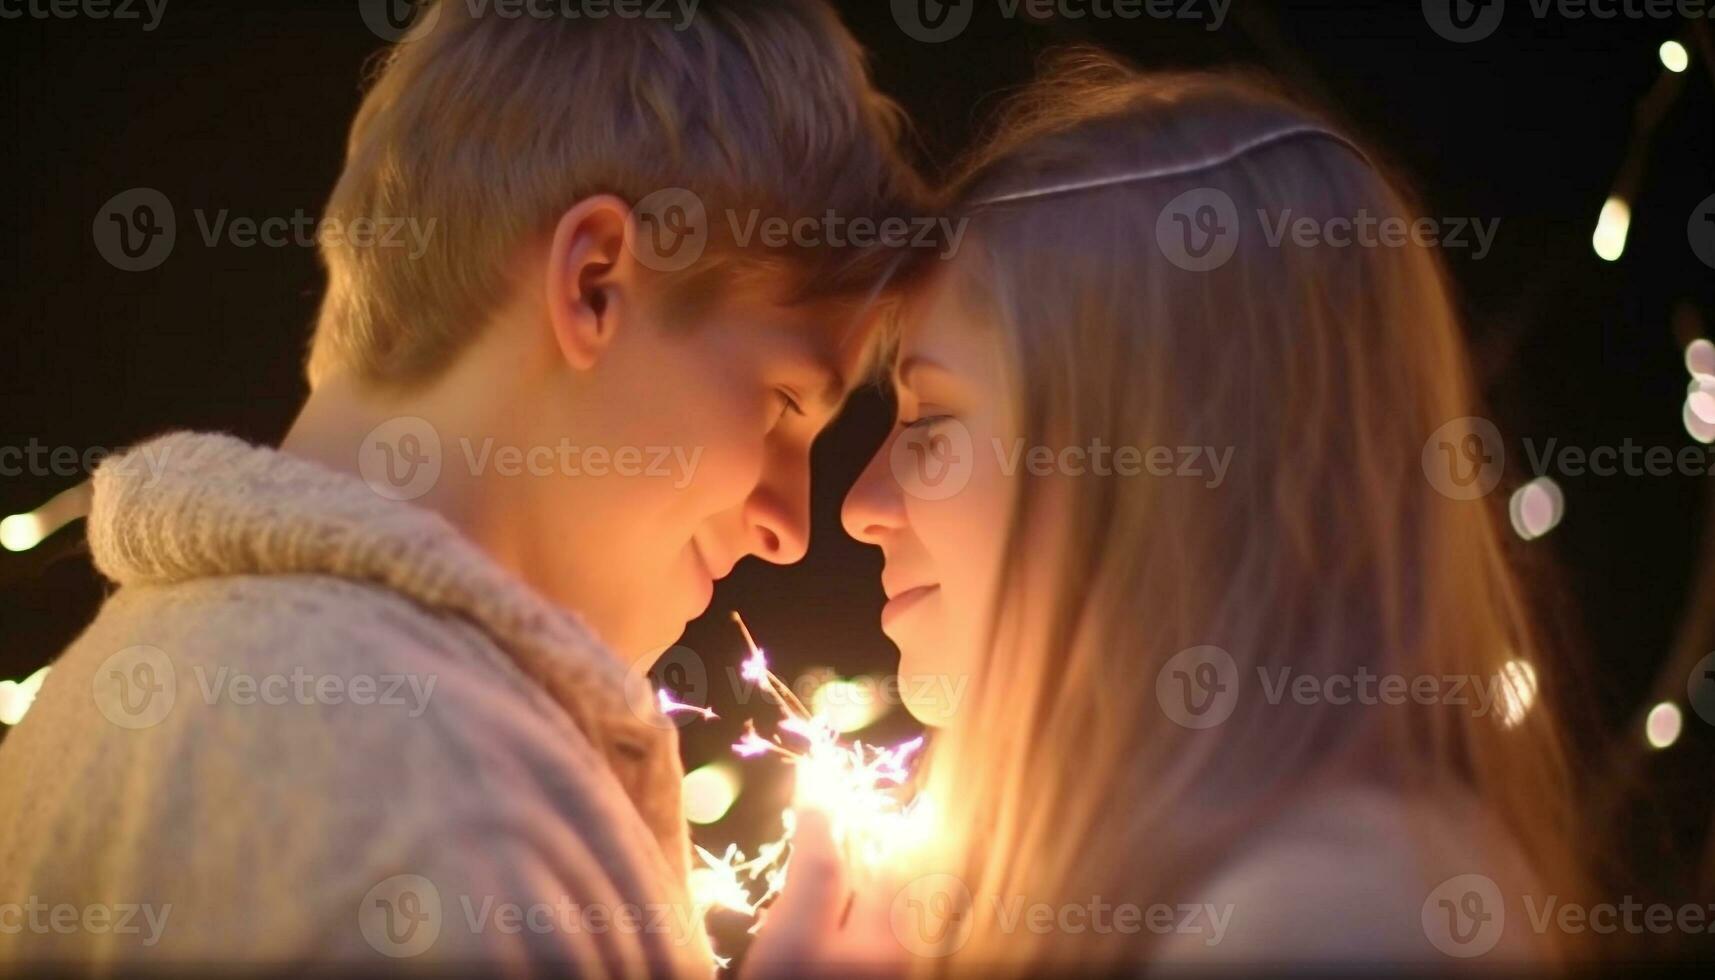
{"x": 245, "y": 106}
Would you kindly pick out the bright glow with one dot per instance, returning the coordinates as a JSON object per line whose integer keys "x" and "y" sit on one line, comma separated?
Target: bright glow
{"x": 1611, "y": 228}
{"x": 1700, "y": 357}
{"x": 848, "y": 705}
{"x": 1518, "y": 691}
{"x": 1536, "y": 508}
{"x": 861, "y": 788}
{"x": 1663, "y": 725}
{"x": 17, "y": 696}
{"x": 1700, "y": 430}
{"x": 21, "y": 532}
{"x": 709, "y": 792}
{"x": 1674, "y": 57}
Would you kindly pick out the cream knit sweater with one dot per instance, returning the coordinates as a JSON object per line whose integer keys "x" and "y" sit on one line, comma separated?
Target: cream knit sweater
{"x": 316, "y": 727}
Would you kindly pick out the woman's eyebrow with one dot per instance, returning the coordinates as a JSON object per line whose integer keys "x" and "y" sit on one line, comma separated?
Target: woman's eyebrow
{"x": 914, "y": 364}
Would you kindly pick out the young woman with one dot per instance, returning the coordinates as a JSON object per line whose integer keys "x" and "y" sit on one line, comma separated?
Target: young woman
{"x": 1169, "y": 488}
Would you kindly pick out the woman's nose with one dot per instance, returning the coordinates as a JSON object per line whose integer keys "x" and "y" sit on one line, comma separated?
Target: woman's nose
{"x": 874, "y": 505}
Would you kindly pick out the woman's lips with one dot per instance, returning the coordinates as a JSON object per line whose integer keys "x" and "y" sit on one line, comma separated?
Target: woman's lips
{"x": 904, "y": 602}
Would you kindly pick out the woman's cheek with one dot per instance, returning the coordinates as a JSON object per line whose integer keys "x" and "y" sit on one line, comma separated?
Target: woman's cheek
{"x": 965, "y": 536}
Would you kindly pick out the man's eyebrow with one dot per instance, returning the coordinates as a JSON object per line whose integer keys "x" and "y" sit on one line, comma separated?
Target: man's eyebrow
{"x": 832, "y": 392}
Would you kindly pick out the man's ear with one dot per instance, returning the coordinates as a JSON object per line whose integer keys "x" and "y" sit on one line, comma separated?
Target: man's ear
{"x": 591, "y": 277}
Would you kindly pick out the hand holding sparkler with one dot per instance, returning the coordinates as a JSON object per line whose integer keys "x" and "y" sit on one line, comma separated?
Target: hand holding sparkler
{"x": 819, "y": 925}
{"x": 853, "y": 793}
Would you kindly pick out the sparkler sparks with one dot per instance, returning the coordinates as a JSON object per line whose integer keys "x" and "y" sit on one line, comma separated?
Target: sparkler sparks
{"x": 860, "y": 787}
{"x": 670, "y": 706}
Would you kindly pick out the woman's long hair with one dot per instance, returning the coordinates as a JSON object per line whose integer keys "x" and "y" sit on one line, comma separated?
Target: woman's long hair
{"x": 1329, "y": 548}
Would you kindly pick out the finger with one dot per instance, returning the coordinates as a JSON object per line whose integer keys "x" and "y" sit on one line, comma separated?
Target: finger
{"x": 815, "y": 890}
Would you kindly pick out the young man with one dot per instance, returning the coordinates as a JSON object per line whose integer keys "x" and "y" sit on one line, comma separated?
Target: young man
{"x": 373, "y": 696}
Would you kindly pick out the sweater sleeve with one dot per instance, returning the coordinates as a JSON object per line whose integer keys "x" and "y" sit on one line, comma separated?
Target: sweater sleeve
{"x": 333, "y": 781}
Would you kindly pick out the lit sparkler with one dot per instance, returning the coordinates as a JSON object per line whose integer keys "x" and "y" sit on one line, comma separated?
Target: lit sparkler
{"x": 860, "y": 787}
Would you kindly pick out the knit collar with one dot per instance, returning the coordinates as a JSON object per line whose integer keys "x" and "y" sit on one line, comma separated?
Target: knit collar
{"x": 190, "y": 505}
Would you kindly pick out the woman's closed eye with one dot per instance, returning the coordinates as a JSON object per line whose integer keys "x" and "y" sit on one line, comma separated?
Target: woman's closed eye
{"x": 924, "y": 422}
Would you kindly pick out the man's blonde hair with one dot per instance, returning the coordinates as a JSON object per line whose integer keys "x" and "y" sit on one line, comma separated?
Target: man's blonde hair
{"x": 491, "y": 126}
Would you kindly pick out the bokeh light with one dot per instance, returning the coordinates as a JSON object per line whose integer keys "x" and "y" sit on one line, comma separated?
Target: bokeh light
{"x": 849, "y": 705}
{"x": 1518, "y": 691}
{"x": 1663, "y": 725}
{"x": 1674, "y": 57}
{"x": 17, "y": 696}
{"x": 21, "y": 532}
{"x": 1611, "y": 228}
{"x": 1536, "y": 508}
{"x": 709, "y": 792}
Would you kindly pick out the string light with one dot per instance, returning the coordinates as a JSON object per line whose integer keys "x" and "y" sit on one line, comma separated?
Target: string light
{"x": 1700, "y": 398}
{"x": 1700, "y": 358}
{"x": 1700, "y": 430}
{"x": 21, "y": 532}
{"x": 1663, "y": 725}
{"x": 1674, "y": 57}
{"x": 1536, "y": 508}
{"x": 1611, "y": 228}
{"x": 1698, "y": 413}
{"x": 17, "y": 696}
